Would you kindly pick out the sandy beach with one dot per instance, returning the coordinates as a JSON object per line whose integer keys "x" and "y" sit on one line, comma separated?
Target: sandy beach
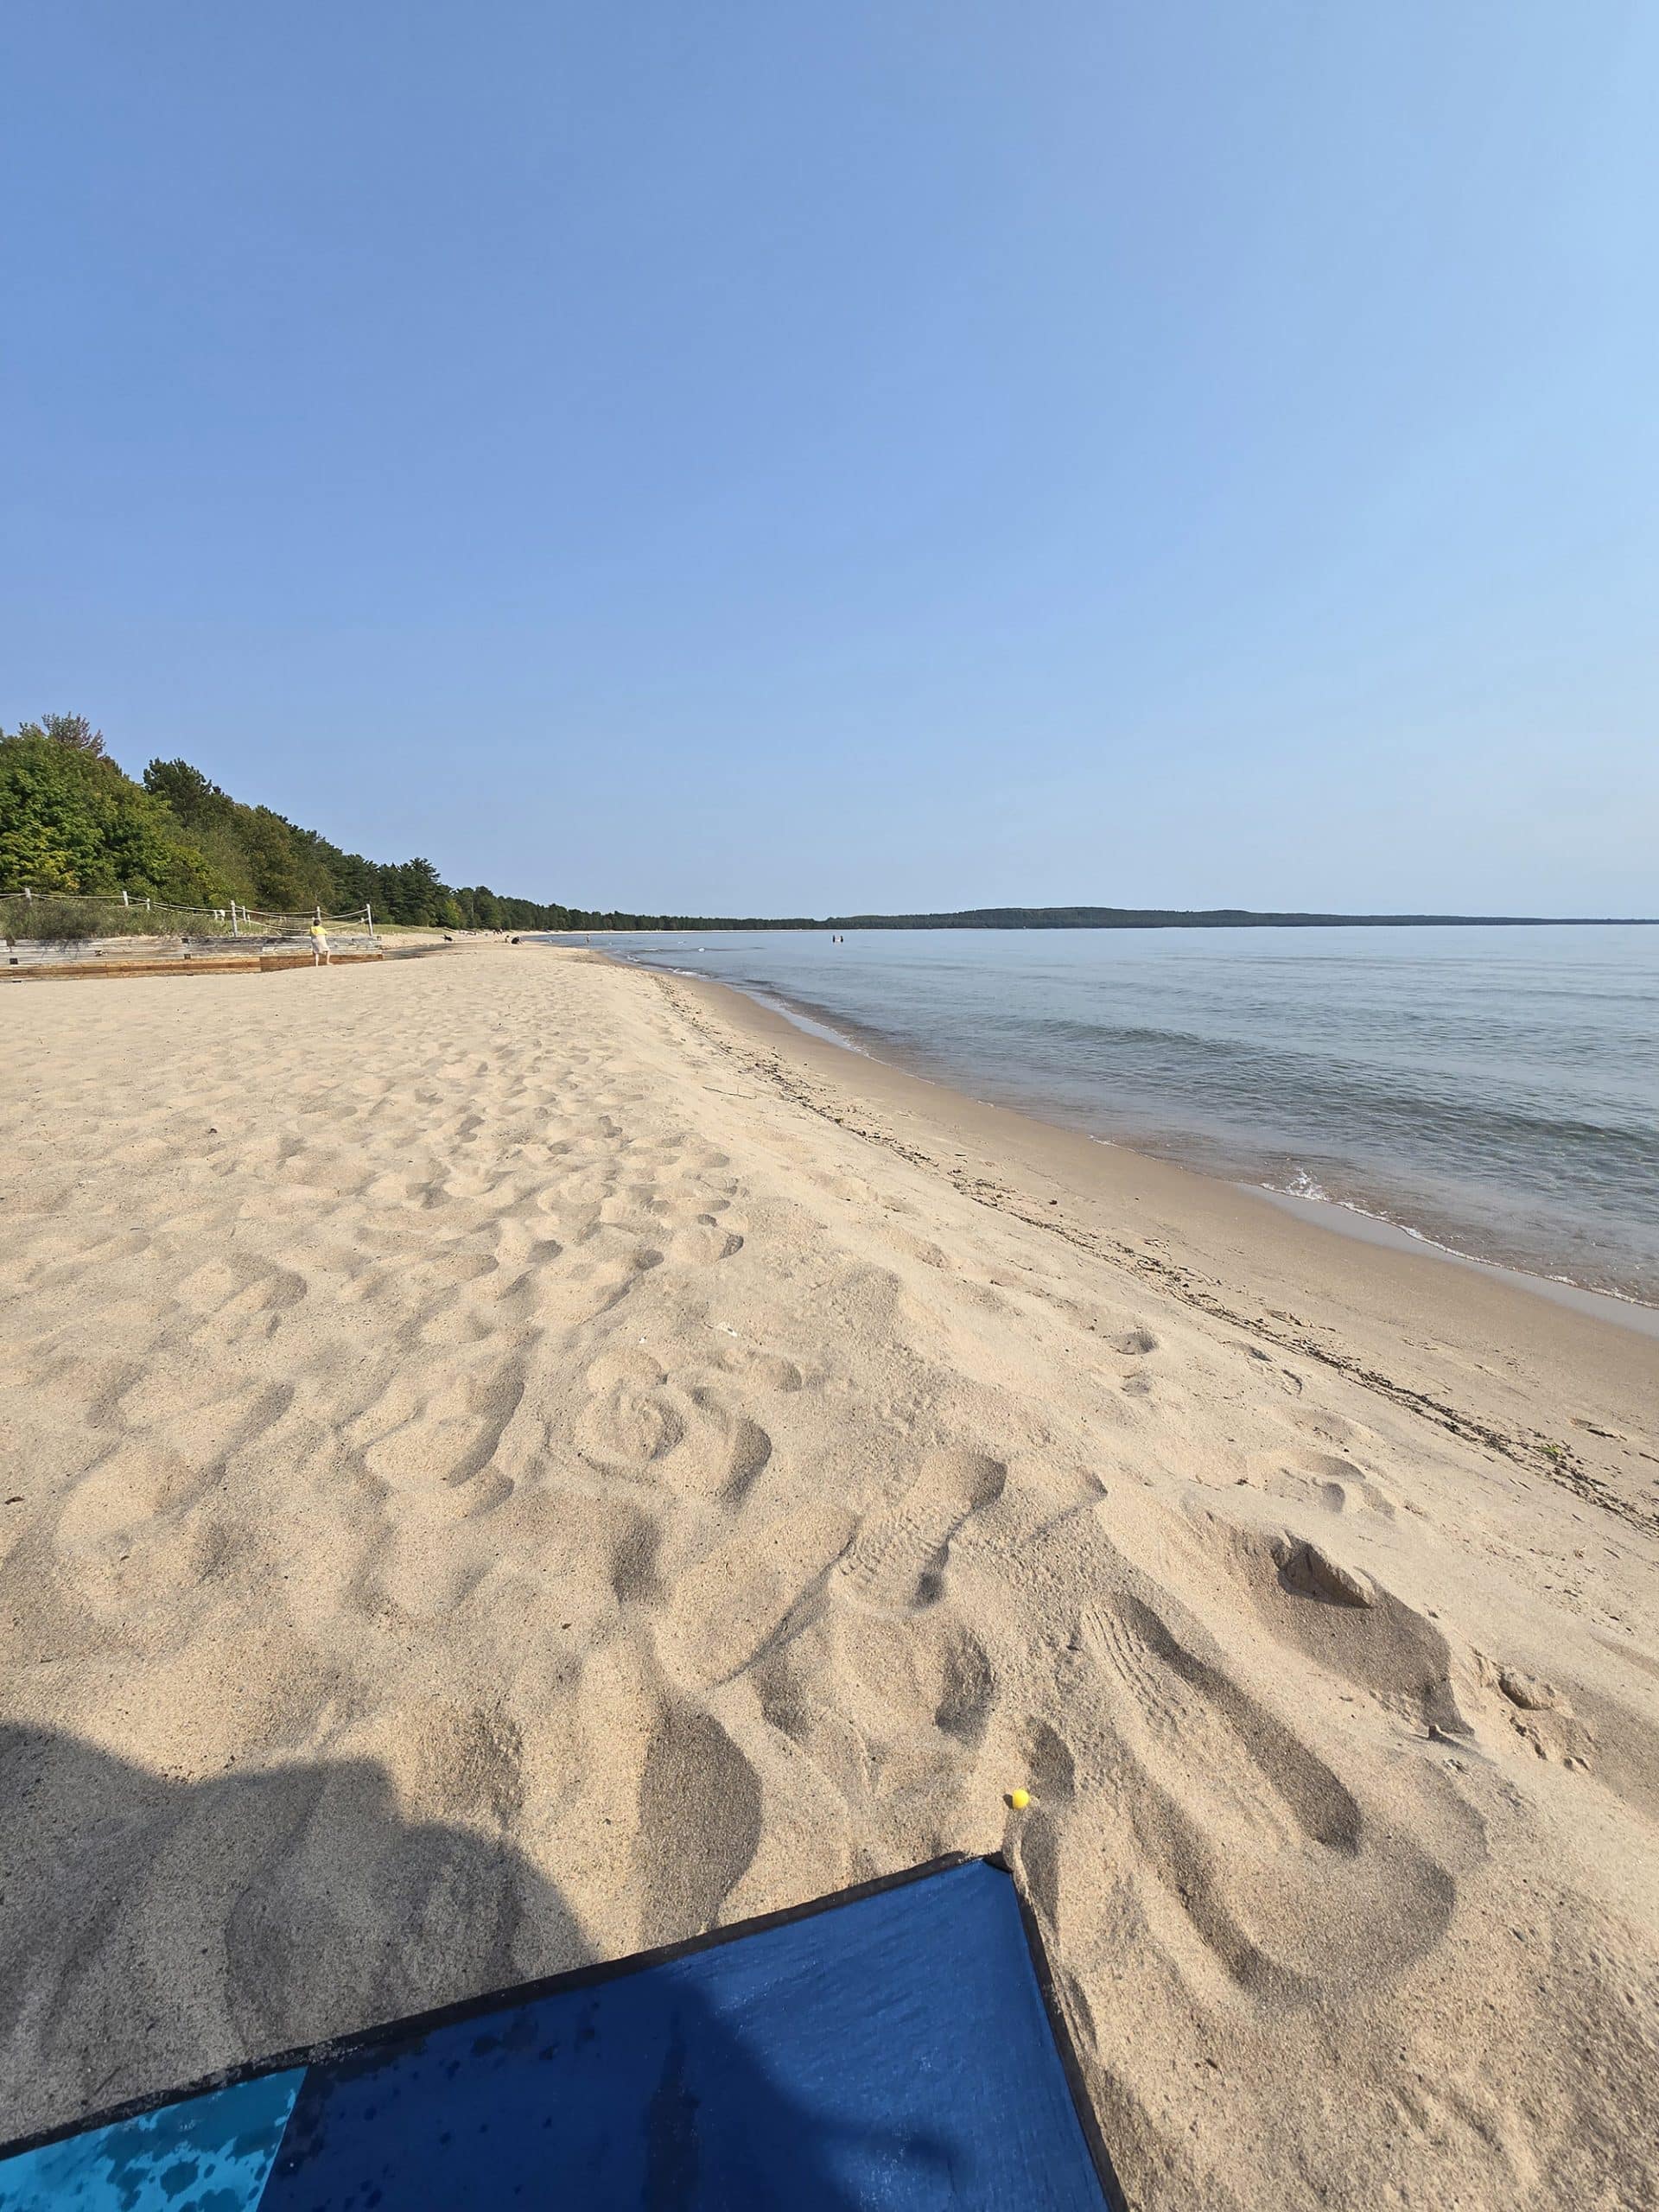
{"x": 510, "y": 1458}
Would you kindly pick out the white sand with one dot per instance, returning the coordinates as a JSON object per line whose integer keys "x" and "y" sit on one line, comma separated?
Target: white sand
{"x": 508, "y": 1461}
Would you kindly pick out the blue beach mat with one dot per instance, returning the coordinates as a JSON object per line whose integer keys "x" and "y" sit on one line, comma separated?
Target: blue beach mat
{"x": 894, "y": 2046}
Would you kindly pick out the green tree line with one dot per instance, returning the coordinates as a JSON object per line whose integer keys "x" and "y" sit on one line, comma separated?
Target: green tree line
{"x": 71, "y": 821}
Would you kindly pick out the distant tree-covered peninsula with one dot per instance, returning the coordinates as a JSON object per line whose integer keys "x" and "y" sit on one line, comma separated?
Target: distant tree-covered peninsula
{"x": 70, "y": 821}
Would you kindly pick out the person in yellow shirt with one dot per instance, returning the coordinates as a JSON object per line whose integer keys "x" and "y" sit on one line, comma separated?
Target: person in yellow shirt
{"x": 318, "y": 945}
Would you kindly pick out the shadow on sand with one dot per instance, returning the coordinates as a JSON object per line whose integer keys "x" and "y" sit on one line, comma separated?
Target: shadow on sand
{"x": 154, "y": 1931}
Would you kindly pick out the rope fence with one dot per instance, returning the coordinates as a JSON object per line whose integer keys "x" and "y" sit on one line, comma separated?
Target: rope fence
{"x": 63, "y": 917}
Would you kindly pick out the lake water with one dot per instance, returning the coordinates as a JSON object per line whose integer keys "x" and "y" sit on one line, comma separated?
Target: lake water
{"x": 1494, "y": 1090}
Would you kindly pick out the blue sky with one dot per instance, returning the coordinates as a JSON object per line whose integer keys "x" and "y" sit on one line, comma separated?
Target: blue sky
{"x": 790, "y": 458}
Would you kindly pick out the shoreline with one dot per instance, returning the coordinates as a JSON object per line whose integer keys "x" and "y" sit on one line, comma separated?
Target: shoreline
{"x": 1339, "y": 1215}
{"x": 1345, "y": 1218}
{"x": 1470, "y": 1345}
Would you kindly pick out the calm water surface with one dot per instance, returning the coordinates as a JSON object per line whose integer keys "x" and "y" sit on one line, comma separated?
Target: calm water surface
{"x": 1495, "y": 1091}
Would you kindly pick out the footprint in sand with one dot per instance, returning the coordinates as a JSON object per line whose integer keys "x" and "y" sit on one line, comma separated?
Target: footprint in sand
{"x": 894, "y": 1710}
{"x": 137, "y": 1485}
{"x": 1322, "y": 1478}
{"x": 431, "y": 1444}
{"x": 1328, "y": 1428}
{"x": 897, "y": 1558}
{"x": 645, "y": 1428}
{"x": 766, "y": 1370}
{"x": 1252, "y": 1836}
{"x": 1323, "y": 1606}
{"x": 223, "y": 1293}
{"x": 704, "y": 1242}
{"x": 631, "y": 1427}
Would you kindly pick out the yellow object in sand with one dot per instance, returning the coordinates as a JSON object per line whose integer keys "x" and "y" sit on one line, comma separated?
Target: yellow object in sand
{"x": 1019, "y": 1799}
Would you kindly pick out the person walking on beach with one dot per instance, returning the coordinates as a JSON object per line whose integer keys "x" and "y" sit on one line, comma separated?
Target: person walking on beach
{"x": 318, "y": 945}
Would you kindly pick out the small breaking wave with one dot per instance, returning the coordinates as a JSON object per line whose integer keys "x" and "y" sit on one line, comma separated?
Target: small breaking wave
{"x": 1303, "y": 1185}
